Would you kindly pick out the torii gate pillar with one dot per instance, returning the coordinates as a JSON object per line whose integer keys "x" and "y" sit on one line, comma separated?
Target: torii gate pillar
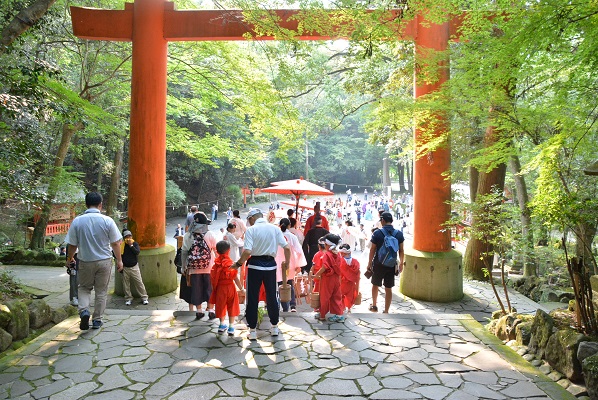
{"x": 432, "y": 272}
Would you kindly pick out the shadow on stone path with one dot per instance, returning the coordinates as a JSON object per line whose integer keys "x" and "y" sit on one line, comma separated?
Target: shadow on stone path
{"x": 421, "y": 350}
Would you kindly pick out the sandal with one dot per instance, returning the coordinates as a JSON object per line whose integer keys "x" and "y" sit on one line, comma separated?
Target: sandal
{"x": 373, "y": 308}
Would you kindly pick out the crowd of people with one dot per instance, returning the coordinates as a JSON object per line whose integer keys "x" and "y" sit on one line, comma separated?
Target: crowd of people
{"x": 266, "y": 255}
{"x": 251, "y": 258}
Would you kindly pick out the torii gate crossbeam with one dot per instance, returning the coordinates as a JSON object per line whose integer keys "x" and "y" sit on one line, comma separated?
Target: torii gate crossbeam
{"x": 150, "y": 25}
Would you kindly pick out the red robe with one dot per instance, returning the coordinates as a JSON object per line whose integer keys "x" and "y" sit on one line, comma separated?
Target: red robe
{"x": 330, "y": 285}
{"x": 224, "y": 291}
{"x": 316, "y": 265}
{"x": 310, "y": 223}
{"x": 349, "y": 281}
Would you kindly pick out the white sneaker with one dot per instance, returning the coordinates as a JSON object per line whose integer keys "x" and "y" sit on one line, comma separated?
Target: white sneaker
{"x": 75, "y": 301}
{"x": 252, "y": 334}
{"x": 128, "y": 303}
{"x": 274, "y": 330}
{"x": 145, "y": 302}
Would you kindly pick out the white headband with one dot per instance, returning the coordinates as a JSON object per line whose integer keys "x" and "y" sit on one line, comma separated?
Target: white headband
{"x": 333, "y": 245}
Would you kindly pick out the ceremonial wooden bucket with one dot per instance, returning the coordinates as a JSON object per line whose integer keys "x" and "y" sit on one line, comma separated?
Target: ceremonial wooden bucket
{"x": 357, "y": 300}
{"x": 284, "y": 292}
{"x": 241, "y": 295}
{"x": 314, "y": 300}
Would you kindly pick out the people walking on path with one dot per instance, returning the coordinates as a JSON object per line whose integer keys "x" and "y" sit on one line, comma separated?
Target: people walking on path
{"x": 72, "y": 269}
{"x": 362, "y": 237}
{"x": 235, "y": 244}
{"x": 310, "y": 243}
{"x": 350, "y": 275}
{"x": 297, "y": 232}
{"x": 316, "y": 266}
{"x": 97, "y": 238}
{"x": 229, "y": 215}
{"x": 349, "y": 233}
{"x": 179, "y": 231}
{"x": 225, "y": 282}
{"x": 241, "y": 227}
{"x": 189, "y": 219}
{"x": 296, "y": 261}
{"x": 197, "y": 259}
{"x": 261, "y": 245}
{"x": 383, "y": 275}
{"x": 330, "y": 282}
{"x": 312, "y": 218}
{"x": 131, "y": 272}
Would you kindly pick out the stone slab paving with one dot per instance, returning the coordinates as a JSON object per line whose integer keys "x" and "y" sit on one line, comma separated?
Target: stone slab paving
{"x": 421, "y": 350}
{"x": 149, "y": 354}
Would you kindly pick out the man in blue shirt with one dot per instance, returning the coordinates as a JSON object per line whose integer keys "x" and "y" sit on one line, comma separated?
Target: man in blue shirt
{"x": 97, "y": 237}
{"x": 381, "y": 273}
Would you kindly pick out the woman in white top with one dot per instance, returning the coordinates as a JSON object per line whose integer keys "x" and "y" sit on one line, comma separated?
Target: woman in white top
{"x": 349, "y": 234}
{"x": 235, "y": 244}
{"x": 293, "y": 229}
{"x": 296, "y": 261}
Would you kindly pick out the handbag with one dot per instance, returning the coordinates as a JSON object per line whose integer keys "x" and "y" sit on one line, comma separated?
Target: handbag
{"x": 178, "y": 262}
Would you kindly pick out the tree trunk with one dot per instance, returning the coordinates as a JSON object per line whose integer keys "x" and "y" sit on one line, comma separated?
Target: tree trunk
{"x": 584, "y": 236}
{"x": 385, "y": 176}
{"x": 527, "y": 235}
{"x": 478, "y": 253}
{"x": 401, "y": 175}
{"x": 39, "y": 232}
{"x": 23, "y": 21}
{"x": 409, "y": 173}
{"x": 112, "y": 203}
{"x": 474, "y": 177}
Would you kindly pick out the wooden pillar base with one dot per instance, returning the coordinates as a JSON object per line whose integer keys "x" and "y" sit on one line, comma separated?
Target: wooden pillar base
{"x": 157, "y": 272}
{"x": 431, "y": 276}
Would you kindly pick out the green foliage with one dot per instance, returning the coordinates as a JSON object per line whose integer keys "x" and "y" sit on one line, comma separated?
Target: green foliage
{"x": 174, "y": 195}
{"x": 10, "y": 287}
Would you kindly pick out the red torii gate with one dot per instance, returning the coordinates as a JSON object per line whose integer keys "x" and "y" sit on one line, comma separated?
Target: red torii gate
{"x": 151, "y": 24}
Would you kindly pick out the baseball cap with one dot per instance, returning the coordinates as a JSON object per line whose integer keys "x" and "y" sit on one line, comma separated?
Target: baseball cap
{"x": 127, "y": 233}
{"x": 386, "y": 216}
{"x": 201, "y": 218}
{"x": 254, "y": 211}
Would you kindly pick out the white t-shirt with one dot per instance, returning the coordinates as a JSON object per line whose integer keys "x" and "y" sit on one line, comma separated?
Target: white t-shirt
{"x": 93, "y": 233}
{"x": 263, "y": 239}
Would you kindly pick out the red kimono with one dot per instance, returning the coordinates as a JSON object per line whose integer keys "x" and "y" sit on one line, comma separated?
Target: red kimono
{"x": 224, "y": 291}
{"x": 316, "y": 265}
{"x": 349, "y": 281}
{"x": 330, "y": 285}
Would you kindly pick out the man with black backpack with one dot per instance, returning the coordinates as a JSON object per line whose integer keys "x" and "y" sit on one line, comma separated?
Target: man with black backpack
{"x": 383, "y": 263}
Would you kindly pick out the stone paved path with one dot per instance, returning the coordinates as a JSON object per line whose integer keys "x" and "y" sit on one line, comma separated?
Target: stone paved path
{"x": 421, "y": 350}
{"x": 145, "y": 354}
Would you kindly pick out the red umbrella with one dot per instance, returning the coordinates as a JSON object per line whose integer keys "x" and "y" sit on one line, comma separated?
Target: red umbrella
{"x": 298, "y": 187}
{"x": 302, "y": 204}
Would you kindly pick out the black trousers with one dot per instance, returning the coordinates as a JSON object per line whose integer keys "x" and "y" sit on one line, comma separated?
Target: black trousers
{"x": 255, "y": 278}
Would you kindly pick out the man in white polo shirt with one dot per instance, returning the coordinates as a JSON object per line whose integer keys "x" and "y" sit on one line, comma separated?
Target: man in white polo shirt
{"x": 261, "y": 245}
{"x": 97, "y": 238}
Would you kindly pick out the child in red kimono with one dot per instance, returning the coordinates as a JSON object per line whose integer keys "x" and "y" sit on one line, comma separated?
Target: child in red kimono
{"x": 330, "y": 281}
{"x": 349, "y": 277}
{"x": 316, "y": 265}
{"x": 224, "y": 292}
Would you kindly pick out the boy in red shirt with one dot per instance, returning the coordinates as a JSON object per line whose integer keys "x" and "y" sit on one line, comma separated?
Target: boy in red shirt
{"x": 224, "y": 292}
